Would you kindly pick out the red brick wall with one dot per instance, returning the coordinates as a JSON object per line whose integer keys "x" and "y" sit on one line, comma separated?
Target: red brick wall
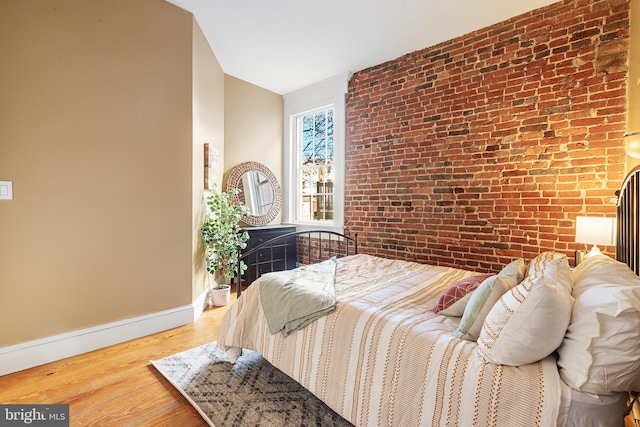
{"x": 485, "y": 148}
{"x": 312, "y": 250}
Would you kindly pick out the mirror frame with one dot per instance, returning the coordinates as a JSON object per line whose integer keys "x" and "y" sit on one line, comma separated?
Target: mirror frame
{"x": 234, "y": 182}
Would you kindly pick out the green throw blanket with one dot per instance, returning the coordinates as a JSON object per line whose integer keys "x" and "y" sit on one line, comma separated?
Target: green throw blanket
{"x": 293, "y": 299}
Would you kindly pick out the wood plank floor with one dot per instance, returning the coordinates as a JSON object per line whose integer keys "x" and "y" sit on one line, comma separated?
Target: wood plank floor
{"x": 117, "y": 385}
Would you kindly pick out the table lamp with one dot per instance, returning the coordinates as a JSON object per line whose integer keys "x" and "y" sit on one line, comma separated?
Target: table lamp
{"x": 596, "y": 231}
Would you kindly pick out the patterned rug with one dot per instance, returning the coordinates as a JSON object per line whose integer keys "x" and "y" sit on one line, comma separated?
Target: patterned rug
{"x": 250, "y": 392}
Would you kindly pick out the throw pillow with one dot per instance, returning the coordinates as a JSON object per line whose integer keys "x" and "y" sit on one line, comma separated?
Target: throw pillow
{"x": 454, "y": 299}
{"x": 530, "y": 320}
{"x": 486, "y": 295}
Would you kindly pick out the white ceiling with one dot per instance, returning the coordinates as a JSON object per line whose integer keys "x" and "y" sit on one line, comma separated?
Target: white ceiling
{"x": 283, "y": 45}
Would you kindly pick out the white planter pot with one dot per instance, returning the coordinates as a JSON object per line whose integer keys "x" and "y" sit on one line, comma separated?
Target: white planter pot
{"x": 220, "y": 295}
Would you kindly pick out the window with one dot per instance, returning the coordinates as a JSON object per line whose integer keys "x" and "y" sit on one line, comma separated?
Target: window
{"x": 313, "y": 183}
{"x": 315, "y": 172}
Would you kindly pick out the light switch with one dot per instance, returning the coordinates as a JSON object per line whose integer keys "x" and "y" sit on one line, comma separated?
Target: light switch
{"x": 6, "y": 190}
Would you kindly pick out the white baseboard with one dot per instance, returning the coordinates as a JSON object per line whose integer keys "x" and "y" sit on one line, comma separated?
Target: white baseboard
{"x": 38, "y": 352}
{"x": 200, "y": 304}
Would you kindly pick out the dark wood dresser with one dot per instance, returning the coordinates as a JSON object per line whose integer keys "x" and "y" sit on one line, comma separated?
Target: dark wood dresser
{"x": 280, "y": 256}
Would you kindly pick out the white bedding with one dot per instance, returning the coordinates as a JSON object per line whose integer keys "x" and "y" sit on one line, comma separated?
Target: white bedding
{"x": 383, "y": 358}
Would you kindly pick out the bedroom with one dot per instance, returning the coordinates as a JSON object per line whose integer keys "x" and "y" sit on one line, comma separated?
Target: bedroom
{"x": 68, "y": 246}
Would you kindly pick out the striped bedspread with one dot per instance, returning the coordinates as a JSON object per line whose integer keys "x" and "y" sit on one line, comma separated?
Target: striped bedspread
{"x": 383, "y": 358}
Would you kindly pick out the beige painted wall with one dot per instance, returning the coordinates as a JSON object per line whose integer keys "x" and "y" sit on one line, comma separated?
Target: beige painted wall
{"x": 208, "y": 127}
{"x": 97, "y": 135}
{"x": 253, "y": 123}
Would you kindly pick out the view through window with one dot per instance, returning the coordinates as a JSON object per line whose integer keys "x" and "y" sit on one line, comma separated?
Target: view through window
{"x": 316, "y": 169}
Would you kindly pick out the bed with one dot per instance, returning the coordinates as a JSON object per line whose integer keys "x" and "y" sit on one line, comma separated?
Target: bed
{"x": 409, "y": 344}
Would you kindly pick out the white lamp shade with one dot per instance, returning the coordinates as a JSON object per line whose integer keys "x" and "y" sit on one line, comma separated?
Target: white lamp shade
{"x": 632, "y": 144}
{"x": 595, "y": 230}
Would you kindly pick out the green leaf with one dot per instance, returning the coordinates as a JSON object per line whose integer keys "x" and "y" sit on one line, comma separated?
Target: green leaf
{"x": 222, "y": 235}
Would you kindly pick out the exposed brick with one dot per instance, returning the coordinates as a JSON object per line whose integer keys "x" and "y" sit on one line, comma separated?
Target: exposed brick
{"x": 486, "y": 147}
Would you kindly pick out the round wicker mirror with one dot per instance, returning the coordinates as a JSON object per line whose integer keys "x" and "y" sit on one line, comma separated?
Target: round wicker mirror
{"x": 258, "y": 190}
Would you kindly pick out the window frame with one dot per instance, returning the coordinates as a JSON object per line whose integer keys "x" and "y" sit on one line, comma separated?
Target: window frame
{"x": 299, "y": 196}
{"x": 328, "y": 93}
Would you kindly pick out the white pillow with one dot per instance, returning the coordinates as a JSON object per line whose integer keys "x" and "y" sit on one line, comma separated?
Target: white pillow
{"x": 601, "y": 351}
{"x": 483, "y": 298}
{"x": 529, "y": 322}
{"x": 600, "y": 270}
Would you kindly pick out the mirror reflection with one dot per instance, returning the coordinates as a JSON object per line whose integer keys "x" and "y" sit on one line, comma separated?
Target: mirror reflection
{"x": 257, "y": 193}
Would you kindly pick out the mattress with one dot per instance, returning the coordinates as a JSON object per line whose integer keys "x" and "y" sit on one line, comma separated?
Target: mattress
{"x": 384, "y": 358}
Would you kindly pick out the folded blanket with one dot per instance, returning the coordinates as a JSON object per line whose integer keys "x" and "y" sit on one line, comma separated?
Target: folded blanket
{"x": 293, "y": 299}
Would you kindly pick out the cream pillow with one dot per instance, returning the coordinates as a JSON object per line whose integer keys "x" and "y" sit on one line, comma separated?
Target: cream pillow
{"x": 483, "y": 298}
{"x": 529, "y": 322}
{"x": 601, "y": 351}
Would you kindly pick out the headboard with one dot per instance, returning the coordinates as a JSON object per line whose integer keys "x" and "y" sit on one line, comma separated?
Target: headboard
{"x": 309, "y": 246}
{"x": 628, "y": 218}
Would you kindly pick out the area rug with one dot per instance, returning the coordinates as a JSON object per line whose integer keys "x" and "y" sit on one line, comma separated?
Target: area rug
{"x": 250, "y": 392}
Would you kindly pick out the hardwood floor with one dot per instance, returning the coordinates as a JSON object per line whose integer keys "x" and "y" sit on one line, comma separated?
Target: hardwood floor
{"x": 117, "y": 386}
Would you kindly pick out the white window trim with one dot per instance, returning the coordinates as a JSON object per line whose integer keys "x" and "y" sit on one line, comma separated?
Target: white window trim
{"x": 330, "y": 92}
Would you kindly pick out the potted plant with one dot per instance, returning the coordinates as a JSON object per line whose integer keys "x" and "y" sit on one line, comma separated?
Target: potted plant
{"x": 222, "y": 237}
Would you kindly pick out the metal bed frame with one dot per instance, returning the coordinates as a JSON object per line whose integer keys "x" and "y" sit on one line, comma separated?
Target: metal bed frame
{"x": 628, "y": 222}
{"x": 328, "y": 243}
{"x": 628, "y": 246}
